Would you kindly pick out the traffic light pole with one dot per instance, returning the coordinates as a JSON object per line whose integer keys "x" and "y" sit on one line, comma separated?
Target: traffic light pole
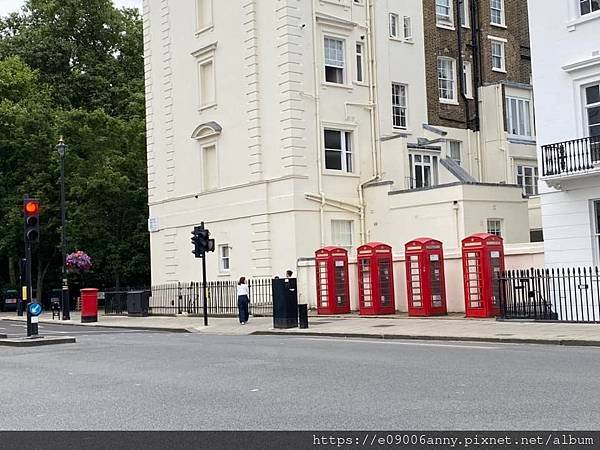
{"x": 32, "y": 328}
{"x": 204, "y": 290}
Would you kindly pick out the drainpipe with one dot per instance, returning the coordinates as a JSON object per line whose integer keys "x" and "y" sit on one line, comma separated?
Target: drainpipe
{"x": 317, "y": 74}
{"x": 476, "y": 43}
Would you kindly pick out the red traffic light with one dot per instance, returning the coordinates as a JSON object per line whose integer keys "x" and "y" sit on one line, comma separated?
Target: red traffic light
{"x": 31, "y": 207}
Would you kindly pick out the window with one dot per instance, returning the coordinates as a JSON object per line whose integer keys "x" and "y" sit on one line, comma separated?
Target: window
{"x": 399, "y": 105}
{"x": 498, "y": 60}
{"x": 224, "y": 258}
{"x": 394, "y": 25}
{"x": 497, "y": 12}
{"x": 455, "y": 148}
{"x": 407, "y": 28}
{"x": 494, "y": 226}
{"x": 334, "y": 60}
{"x": 597, "y": 229}
{"x": 203, "y": 14}
{"x": 210, "y": 168}
{"x": 423, "y": 170}
{"x": 527, "y": 178}
{"x": 443, "y": 12}
{"x": 468, "y": 78}
{"x": 341, "y": 233}
{"x": 592, "y": 109}
{"x": 464, "y": 14}
{"x": 536, "y": 235}
{"x": 338, "y": 150}
{"x": 360, "y": 62}
{"x": 588, "y": 6}
{"x": 206, "y": 75}
{"x": 447, "y": 80}
{"x": 518, "y": 113}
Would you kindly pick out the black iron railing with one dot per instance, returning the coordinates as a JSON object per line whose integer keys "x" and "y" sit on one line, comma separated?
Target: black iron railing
{"x": 115, "y": 302}
{"x": 563, "y": 295}
{"x": 570, "y": 157}
{"x": 179, "y": 298}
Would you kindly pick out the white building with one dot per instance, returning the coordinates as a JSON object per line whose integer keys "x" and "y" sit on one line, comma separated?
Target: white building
{"x": 287, "y": 125}
{"x": 565, "y": 38}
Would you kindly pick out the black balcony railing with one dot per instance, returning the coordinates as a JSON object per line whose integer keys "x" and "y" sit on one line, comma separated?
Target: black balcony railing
{"x": 570, "y": 157}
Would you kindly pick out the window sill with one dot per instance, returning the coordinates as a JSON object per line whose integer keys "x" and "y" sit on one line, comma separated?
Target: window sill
{"x": 527, "y": 140}
{"x": 326, "y": 84}
{"x": 224, "y": 274}
{"x": 395, "y": 38}
{"x": 572, "y": 25}
{"x": 498, "y": 70}
{"x": 409, "y": 41}
{"x": 499, "y": 25}
{"x": 448, "y": 102}
{"x": 400, "y": 130}
{"x": 208, "y": 106}
{"x": 445, "y": 26}
{"x": 204, "y": 30}
{"x": 339, "y": 173}
{"x": 360, "y": 83}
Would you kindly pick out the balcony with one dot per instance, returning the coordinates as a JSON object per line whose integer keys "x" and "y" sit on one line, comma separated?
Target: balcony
{"x": 571, "y": 159}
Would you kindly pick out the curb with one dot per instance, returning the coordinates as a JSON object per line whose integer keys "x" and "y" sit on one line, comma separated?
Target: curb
{"x": 406, "y": 337}
{"x": 101, "y": 325}
{"x": 37, "y": 342}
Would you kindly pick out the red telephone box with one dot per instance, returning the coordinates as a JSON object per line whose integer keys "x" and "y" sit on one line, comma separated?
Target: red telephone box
{"x": 375, "y": 279}
{"x": 425, "y": 280}
{"x": 333, "y": 288}
{"x": 483, "y": 260}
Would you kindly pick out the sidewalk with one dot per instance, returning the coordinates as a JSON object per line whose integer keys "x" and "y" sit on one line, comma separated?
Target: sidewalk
{"x": 454, "y": 328}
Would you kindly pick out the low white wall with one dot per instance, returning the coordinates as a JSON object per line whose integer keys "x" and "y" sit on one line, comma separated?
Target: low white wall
{"x": 518, "y": 256}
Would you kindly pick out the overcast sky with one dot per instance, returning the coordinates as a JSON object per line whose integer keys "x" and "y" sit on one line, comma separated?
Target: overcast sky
{"x": 7, "y": 6}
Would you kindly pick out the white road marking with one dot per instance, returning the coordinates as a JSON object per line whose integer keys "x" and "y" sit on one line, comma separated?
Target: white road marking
{"x": 422, "y": 344}
{"x": 253, "y": 390}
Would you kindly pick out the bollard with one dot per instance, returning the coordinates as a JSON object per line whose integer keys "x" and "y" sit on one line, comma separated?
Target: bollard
{"x": 303, "y": 316}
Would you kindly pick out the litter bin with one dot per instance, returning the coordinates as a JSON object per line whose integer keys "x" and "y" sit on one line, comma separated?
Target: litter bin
{"x": 303, "y": 316}
{"x": 89, "y": 305}
{"x": 285, "y": 303}
{"x": 138, "y": 303}
{"x": 10, "y": 300}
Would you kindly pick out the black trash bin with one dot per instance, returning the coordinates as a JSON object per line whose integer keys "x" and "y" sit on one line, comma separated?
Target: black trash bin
{"x": 303, "y": 316}
{"x": 138, "y": 303}
{"x": 285, "y": 303}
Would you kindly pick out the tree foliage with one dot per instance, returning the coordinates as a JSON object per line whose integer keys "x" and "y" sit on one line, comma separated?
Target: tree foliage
{"x": 74, "y": 68}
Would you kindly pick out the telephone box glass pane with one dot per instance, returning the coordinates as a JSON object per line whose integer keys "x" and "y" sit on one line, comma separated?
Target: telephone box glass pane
{"x": 435, "y": 272}
{"x": 385, "y": 284}
{"x": 366, "y": 281}
{"x": 473, "y": 279}
{"x": 340, "y": 283}
{"x": 323, "y": 283}
{"x": 415, "y": 281}
{"x": 495, "y": 267}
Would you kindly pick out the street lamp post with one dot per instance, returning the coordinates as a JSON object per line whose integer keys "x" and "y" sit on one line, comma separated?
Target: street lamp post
{"x": 66, "y": 313}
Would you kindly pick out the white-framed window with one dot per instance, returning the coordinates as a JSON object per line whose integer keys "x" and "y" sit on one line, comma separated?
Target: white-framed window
{"x": 341, "y": 233}
{"x": 465, "y": 17}
{"x": 394, "y": 25}
{"x": 338, "y": 150}
{"x": 592, "y": 109}
{"x": 210, "y": 167}
{"x": 467, "y": 75}
{"x": 206, "y": 80}
{"x": 204, "y": 16}
{"x": 497, "y": 12}
{"x": 224, "y": 258}
{"x": 527, "y": 178}
{"x": 596, "y": 230}
{"x": 334, "y": 61}
{"x": 443, "y": 12}
{"x": 518, "y": 113}
{"x": 588, "y": 6}
{"x": 498, "y": 56}
{"x": 407, "y": 22}
{"x": 455, "y": 151}
{"x": 360, "y": 62}
{"x": 447, "y": 79}
{"x": 423, "y": 170}
{"x": 399, "y": 105}
{"x": 494, "y": 226}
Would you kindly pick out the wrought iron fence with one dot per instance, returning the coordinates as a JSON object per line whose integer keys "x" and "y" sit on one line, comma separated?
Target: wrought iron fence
{"x": 571, "y": 157}
{"x": 115, "y": 302}
{"x": 179, "y": 298}
{"x": 564, "y": 295}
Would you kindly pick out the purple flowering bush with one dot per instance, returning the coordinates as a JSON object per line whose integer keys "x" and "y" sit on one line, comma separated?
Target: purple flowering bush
{"x": 79, "y": 261}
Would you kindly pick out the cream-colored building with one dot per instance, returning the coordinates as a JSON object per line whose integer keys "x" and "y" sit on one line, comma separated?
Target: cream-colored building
{"x": 287, "y": 125}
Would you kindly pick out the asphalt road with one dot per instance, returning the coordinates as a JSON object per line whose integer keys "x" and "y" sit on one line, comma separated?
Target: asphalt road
{"x": 135, "y": 380}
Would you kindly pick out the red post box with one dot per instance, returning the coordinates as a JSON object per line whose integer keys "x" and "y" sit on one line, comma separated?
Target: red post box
{"x": 89, "y": 305}
{"x": 375, "y": 279}
{"x": 425, "y": 280}
{"x": 333, "y": 288}
{"x": 483, "y": 260}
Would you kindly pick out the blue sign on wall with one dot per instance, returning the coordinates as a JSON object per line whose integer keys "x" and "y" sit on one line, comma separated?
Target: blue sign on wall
{"x": 35, "y": 309}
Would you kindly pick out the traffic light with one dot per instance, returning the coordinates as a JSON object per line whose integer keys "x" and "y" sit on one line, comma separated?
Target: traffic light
{"x": 31, "y": 213}
{"x": 202, "y": 242}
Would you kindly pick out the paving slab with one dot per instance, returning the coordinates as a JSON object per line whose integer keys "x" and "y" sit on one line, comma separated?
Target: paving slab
{"x": 37, "y": 341}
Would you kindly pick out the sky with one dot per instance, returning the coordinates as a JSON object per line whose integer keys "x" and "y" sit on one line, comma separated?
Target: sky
{"x": 7, "y": 6}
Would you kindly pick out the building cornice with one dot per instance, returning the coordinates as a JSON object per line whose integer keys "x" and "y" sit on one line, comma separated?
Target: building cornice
{"x": 582, "y": 64}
